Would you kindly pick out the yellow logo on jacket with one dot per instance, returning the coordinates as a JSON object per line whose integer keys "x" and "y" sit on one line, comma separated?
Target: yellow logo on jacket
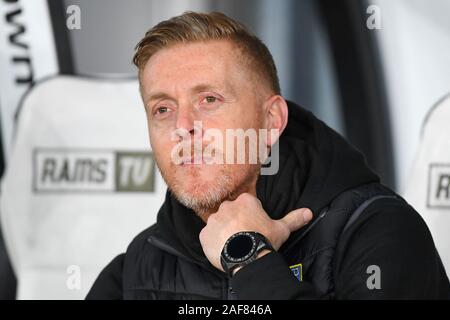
{"x": 297, "y": 270}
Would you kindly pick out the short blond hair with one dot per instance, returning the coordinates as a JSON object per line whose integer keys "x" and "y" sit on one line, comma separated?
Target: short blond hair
{"x": 195, "y": 27}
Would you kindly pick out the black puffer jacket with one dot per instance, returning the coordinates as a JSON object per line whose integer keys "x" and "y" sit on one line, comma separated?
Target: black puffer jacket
{"x": 364, "y": 240}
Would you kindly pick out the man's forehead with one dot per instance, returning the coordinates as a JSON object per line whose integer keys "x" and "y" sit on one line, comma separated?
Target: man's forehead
{"x": 172, "y": 68}
{"x": 189, "y": 80}
{"x": 206, "y": 54}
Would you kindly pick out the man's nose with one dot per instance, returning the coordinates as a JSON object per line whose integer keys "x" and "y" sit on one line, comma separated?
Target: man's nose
{"x": 185, "y": 118}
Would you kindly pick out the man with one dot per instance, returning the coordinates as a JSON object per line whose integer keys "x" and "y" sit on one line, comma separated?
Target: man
{"x": 321, "y": 226}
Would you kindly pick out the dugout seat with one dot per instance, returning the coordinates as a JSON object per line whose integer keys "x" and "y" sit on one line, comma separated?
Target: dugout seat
{"x": 428, "y": 188}
{"x": 79, "y": 185}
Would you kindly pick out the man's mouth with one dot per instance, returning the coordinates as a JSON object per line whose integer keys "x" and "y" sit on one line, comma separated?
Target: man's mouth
{"x": 196, "y": 160}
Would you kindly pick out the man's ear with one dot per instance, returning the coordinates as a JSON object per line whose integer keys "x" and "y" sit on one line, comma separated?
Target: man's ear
{"x": 276, "y": 113}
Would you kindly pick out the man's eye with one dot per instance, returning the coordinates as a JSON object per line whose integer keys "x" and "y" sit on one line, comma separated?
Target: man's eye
{"x": 209, "y": 99}
{"x": 161, "y": 110}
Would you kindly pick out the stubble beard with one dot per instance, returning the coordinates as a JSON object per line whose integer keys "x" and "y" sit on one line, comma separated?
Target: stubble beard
{"x": 204, "y": 198}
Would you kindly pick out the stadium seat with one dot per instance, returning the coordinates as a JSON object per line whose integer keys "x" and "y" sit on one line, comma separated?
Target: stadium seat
{"x": 80, "y": 183}
{"x": 428, "y": 188}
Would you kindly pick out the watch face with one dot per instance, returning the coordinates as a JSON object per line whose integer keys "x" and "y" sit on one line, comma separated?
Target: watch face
{"x": 240, "y": 247}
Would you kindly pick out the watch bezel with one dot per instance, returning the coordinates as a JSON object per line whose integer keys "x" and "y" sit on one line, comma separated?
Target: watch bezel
{"x": 259, "y": 242}
{"x": 248, "y": 255}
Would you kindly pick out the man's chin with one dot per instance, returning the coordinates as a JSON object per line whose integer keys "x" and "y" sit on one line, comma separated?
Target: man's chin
{"x": 202, "y": 195}
{"x": 198, "y": 189}
{"x": 203, "y": 188}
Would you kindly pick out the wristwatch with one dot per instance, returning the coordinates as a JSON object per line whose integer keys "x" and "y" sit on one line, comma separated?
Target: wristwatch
{"x": 241, "y": 249}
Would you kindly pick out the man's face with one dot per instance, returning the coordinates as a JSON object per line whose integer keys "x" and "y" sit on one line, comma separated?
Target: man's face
{"x": 204, "y": 82}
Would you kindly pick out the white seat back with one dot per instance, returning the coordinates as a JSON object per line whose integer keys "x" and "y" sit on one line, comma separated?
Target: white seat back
{"x": 80, "y": 184}
{"x": 428, "y": 188}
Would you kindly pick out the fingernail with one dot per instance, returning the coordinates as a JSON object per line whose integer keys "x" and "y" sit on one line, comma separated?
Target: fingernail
{"x": 307, "y": 215}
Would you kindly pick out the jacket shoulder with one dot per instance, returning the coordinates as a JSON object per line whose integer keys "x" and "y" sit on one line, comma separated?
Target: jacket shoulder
{"x": 389, "y": 236}
{"x": 108, "y": 285}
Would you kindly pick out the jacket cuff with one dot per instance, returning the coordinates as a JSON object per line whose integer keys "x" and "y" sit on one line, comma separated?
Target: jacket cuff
{"x": 268, "y": 277}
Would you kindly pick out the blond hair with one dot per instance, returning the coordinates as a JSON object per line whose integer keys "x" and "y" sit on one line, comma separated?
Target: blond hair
{"x": 195, "y": 27}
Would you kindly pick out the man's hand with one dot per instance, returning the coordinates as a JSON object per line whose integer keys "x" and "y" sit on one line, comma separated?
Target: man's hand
{"x": 247, "y": 214}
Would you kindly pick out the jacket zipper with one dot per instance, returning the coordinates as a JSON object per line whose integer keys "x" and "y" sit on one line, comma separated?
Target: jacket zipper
{"x": 165, "y": 247}
{"x": 320, "y": 217}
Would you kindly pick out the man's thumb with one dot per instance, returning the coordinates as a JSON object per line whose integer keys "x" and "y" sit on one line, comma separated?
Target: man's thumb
{"x": 296, "y": 219}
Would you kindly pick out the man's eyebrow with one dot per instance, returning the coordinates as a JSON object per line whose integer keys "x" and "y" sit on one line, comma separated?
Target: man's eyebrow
{"x": 208, "y": 87}
{"x": 203, "y": 87}
{"x": 158, "y": 96}
{"x": 195, "y": 89}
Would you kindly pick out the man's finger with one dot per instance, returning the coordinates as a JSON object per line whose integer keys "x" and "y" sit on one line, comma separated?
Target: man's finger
{"x": 296, "y": 219}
